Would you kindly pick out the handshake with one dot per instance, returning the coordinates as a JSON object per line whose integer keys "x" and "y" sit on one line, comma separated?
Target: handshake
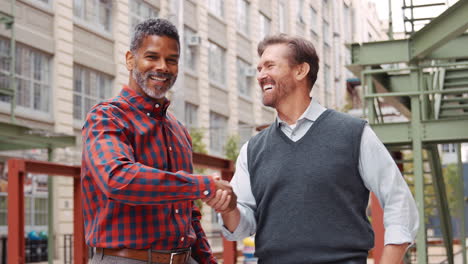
{"x": 224, "y": 200}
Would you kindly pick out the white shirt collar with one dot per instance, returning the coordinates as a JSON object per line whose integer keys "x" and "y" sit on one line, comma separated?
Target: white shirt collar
{"x": 313, "y": 111}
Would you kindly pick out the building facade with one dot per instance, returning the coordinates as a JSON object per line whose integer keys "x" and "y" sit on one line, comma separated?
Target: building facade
{"x": 70, "y": 54}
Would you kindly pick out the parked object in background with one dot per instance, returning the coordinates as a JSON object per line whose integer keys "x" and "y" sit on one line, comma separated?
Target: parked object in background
{"x": 249, "y": 250}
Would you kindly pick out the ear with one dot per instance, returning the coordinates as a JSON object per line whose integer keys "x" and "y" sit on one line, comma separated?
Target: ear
{"x": 302, "y": 70}
{"x": 129, "y": 60}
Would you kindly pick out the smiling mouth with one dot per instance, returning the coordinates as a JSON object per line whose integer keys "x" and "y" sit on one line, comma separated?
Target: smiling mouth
{"x": 158, "y": 79}
{"x": 267, "y": 87}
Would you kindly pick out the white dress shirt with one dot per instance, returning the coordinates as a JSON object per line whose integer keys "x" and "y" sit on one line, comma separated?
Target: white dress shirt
{"x": 379, "y": 173}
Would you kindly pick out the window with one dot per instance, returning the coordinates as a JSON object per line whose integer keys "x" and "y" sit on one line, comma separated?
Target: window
{"x": 326, "y": 32}
{"x": 32, "y": 75}
{"x": 265, "y": 24}
{"x": 449, "y": 148}
{"x": 45, "y": 3}
{"x": 244, "y": 72}
{"x": 327, "y": 83}
{"x": 337, "y": 57}
{"x": 139, "y": 11}
{"x": 94, "y": 12}
{"x": 35, "y": 203}
{"x": 325, "y": 9}
{"x": 89, "y": 88}
{"x": 314, "y": 29}
{"x": 191, "y": 116}
{"x": 243, "y": 16}
{"x": 281, "y": 17}
{"x": 3, "y": 209}
{"x": 313, "y": 20}
{"x": 190, "y": 50}
{"x": 245, "y": 133}
{"x": 218, "y": 129}
{"x": 300, "y": 12}
{"x": 347, "y": 24}
{"x": 217, "y": 63}
{"x": 216, "y": 7}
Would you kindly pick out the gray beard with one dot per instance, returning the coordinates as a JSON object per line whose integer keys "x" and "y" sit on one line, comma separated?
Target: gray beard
{"x": 153, "y": 93}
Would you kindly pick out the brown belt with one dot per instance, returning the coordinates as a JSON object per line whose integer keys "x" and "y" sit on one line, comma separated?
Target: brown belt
{"x": 170, "y": 257}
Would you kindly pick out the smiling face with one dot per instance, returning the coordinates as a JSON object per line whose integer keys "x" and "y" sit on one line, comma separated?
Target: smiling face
{"x": 275, "y": 74}
{"x": 154, "y": 66}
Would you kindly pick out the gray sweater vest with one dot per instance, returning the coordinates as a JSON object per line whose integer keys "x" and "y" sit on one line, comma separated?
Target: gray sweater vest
{"x": 311, "y": 200}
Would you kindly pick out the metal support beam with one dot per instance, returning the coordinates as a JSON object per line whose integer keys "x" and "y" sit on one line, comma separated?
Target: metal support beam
{"x": 380, "y": 52}
{"x": 455, "y": 48}
{"x": 440, "y": 30}
{"x": 461, "y": 203}
{"x": 421, "y": 245}
{"x": 50, "y": 212}
{"x": 433, "y": 131}
{"x": 442, "y": 202}
{"x": 35, "y": 138}
{"x": 394, "y": 51}
{"x": 393, "y": 133}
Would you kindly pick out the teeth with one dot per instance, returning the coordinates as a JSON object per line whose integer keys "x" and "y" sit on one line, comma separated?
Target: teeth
{"x": 158, "y": 79}
{"x": 267, "y": 87}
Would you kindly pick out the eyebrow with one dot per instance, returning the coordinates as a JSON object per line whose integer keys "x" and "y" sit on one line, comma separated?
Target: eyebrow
{"x": 265, "y": 62}
{"x": 157, "y": 53}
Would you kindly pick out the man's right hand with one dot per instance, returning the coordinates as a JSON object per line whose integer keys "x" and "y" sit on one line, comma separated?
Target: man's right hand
{"x": 224, "y": 200}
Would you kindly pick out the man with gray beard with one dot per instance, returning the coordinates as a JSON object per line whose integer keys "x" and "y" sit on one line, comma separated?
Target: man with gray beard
{"x": 137, "y": 181}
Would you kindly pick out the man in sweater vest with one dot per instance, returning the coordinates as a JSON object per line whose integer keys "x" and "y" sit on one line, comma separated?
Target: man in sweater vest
{"x": 303, "y": 183}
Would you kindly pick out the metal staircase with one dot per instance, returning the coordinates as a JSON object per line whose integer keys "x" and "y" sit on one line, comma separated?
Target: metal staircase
{"x": 425, "y": 78}
{"x": 456, "y": 104}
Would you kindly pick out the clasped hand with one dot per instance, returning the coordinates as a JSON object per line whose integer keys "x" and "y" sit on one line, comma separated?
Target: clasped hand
{"x": 224, "y": 200}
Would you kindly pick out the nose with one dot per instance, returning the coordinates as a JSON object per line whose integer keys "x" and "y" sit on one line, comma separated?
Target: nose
{"x": 261, "y": 75}
{"x": 161, "y": 65}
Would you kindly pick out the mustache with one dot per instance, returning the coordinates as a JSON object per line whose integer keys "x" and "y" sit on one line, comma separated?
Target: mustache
{"x": 267, "y": 80}
{"x": 159, "y": 75}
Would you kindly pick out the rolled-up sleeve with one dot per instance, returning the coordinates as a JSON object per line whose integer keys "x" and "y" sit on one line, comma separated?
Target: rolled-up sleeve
{"x": 382, "y": 176}
{"x": 245, "y": 200}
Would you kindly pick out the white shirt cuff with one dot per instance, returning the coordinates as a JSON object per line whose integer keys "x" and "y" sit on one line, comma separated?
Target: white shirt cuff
{"x": 242, "y": 230}
{"x": 397, "y": 235}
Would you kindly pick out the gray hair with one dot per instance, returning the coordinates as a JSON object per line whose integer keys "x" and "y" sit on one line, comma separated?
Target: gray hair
{"x": 159, "y": 27}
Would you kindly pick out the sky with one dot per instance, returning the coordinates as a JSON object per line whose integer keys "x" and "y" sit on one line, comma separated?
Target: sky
{"x": 397, "y": 14}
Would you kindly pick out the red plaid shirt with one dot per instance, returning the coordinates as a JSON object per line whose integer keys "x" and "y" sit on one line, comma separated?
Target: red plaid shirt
{"x": 138, "y": 189}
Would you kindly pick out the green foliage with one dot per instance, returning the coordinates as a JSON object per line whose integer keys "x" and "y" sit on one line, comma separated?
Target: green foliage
{"x": 232, "y": 147}
{"x": 452, "y": 181}
{"x": 348, "y": 103}
{"x": 197, "y": 140}
{"x": 450, "y": 176}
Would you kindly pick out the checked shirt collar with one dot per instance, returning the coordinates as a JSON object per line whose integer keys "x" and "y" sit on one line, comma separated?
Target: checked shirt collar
{"x": 145, "y": 104}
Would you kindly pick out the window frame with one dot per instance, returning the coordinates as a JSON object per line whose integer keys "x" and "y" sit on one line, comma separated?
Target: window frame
{"x": 264, "y": 31}
{"x": 217, "y": 70}
{"x": 191, "y": 67}
{"x": 243, "y": 18}
{"x": 217, "y": 8}
{"x": 26, "y": 72}
{"x": 81, "y": 16}
{"x": 99, "y": 78}
{"x": 132, "y": 14}
{"x": 241, "y": 67}
{"x": 218, "y": 129}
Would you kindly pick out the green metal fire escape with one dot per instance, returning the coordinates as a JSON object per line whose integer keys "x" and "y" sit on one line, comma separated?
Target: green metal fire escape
{"x": 425, "y": 78}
